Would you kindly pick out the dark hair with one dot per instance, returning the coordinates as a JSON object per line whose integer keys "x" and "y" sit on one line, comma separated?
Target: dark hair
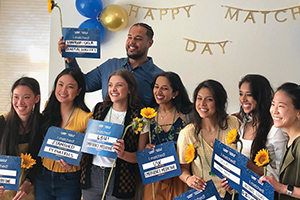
{"x": 10, "y": 139}
{"x": 133, "y": 100}
{"x": 293, "y": 91}
{"x": 220, "y": 96}
{"x": 52, "y": 115}
{"x": 181, "y": 102}
{"x": 262, "y": 92}
{"x": 150, "y": 32}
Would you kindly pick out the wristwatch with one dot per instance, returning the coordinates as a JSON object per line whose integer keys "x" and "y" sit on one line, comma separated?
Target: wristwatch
{"x": 289, "y": 190}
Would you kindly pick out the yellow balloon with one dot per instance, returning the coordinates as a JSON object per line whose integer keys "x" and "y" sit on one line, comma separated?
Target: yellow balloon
{"x": 114, "y": 18}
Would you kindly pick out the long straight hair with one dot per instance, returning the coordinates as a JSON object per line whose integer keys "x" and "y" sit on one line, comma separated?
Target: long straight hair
{"x": 263, "y": 93}
{"x": 220, "y": 96}
{"x": 52, "y": 114}
{"x": 10, "y": 138}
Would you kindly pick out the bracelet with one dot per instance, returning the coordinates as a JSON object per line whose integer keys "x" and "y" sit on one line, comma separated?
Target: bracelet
{"x": 187, "y": 178}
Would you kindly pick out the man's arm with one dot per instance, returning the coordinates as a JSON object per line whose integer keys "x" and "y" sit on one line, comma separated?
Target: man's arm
{"x": 93, "y": 79}
{"x": 61, "y": 46}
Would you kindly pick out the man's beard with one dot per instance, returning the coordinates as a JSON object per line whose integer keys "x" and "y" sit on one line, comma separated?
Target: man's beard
{"x": 135, "y": 56}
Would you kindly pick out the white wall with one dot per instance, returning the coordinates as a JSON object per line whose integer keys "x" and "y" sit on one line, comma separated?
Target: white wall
{"x": 270, "y": 49}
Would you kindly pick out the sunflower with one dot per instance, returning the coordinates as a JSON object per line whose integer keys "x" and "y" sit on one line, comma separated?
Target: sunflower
{"x": 139, "y": 129}
{"x": 232, "y": 136}
{"x": 190, "y": 153}
{"x": 148, "y": 113}
{"x": 27, "y": 161}
{"x": 137, "y": 125}
{"x": 50, "y": 5}
{"x": 262, "y": 158}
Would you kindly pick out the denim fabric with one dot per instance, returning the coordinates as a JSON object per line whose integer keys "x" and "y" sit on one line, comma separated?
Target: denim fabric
{"x": 98, "y": 78}
{"x": 57, "y": 186}
{"x": 99, "y": 178}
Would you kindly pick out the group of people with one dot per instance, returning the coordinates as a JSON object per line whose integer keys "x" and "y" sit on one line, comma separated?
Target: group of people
{"x": 265, "y": 120}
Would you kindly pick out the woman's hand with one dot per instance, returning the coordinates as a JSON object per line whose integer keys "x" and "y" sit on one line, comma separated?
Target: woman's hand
{"x": 150, "y": 146}
{"x": 65, "y": 165}
{"x": 224, "y": 184}
{"x": 196, "y": 182}
{"x": 119, "y": 148}
{"x": 1, "y": 190}
{"x": 280, "y": 188}
{"x": 23, "y": 190}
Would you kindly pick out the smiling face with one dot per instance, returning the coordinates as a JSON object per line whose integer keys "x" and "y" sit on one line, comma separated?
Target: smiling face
{"x": 283, "y": 111}
{"x": 162, "y": 91}
{"x": 118, "y": 89}
{"x": 66, "y": 89}
{"x": 205, "y": 103}
{"x": 247, "y": 101}
{"x": 137, "y": 43}
{"x": 23, "y": 100}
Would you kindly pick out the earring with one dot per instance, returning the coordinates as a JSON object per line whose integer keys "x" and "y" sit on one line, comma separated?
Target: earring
{"x": 173, "y": 97}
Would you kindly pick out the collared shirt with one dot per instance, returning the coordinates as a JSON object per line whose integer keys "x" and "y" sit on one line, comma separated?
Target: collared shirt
{"x": 98, "y": 78}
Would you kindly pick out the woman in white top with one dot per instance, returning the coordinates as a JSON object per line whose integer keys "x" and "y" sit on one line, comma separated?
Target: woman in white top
{"x": 257, "y": 130}
{"x": 120, "y": 106}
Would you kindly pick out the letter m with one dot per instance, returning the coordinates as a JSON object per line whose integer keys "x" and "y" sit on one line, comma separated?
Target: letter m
{"x": 236, "y": 13}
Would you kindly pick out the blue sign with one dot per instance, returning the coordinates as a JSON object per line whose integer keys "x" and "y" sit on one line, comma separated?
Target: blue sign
{"x": 10, "y": 170}
{"x": 254, "y": 190}
{"x": 81, "y": 43}
{"x": 210, "y": 193}
{"x": 158, "y": 164}
{"x": 227, "y": 162}
{"x": 100, "y": 137}
{"x": 63, "y": 144}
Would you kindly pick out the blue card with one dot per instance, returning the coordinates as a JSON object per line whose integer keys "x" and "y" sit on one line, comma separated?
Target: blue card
{"x": 81, "y": 43}
{"x": 100, "y": 137}
{"x": 10, "y": 171}
{"x": 159, "y": 164}
{"x": 227, "y": 162}
{"x": 210, "y": 193}
{"x": 63, "y": 144}
{"x": 252, "y": 189}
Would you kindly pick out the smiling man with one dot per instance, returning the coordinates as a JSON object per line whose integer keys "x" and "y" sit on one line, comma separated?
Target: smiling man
{"x": 139, "y": 40}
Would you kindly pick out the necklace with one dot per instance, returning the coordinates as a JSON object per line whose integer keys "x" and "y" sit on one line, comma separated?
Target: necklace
{"x": 161, "y": 116}
{"x": 117, "y": 116}
{"x": 69, "y": 117}
{"x": 203, "y": 145}
{"x": 158, "y": 128}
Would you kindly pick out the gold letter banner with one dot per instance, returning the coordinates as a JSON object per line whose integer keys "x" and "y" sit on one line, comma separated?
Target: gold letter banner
{"x": 279, "y": 15}
{"x": 162, "y": 12}
{"x": 192, "y": 44}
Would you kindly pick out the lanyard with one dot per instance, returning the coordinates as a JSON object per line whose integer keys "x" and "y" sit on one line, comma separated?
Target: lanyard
{"x": 69, "y": 117}
{"x": 110, "y": 112}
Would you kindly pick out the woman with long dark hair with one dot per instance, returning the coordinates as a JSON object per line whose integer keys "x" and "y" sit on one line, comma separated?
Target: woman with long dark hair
{"x": 209, "y": 122}
{"x": 173, "y": 106}
{"x": 285, "y": 111}
{"x": 120, "y": 106}
{"x": 65, "y": 109}
{"x": 256, "y": 131}
{"x": 20, "y": 132}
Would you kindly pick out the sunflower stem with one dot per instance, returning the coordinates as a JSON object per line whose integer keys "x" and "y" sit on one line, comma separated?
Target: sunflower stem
{"x": 127, "y": 127}
{"x": 108, "y": 179}
{"x": 241, "y": 146}
{"x": 233, "y": 194}
{"x": 153, "y": 188}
